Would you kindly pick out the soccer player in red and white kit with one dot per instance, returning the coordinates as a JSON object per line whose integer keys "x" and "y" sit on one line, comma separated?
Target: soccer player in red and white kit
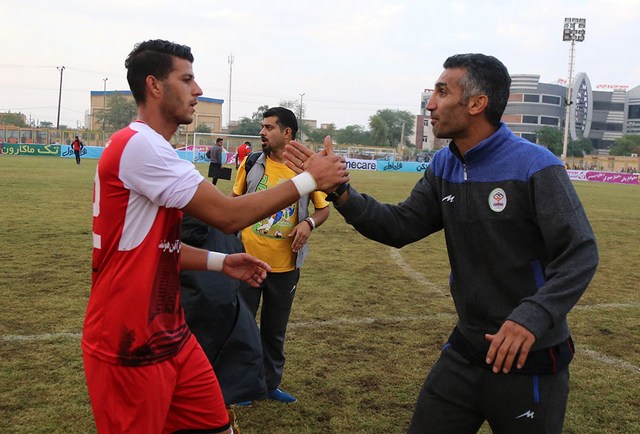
{"x": 145, "y": 371}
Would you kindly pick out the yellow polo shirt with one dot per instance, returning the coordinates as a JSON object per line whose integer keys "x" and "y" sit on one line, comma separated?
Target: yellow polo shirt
{"x": 269, "y": 239}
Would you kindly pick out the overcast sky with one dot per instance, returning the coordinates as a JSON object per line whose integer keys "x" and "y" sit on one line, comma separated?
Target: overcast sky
{"x": 348, "y": 58}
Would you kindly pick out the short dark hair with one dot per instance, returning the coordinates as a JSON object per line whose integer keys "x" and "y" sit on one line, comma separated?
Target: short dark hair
{"x": 484, "y": 75}
{"x": 219, "y": 139}
{"x": 248, "y": 143}
{"x": 153, "y": 57}
{"x": 286, "y": 118}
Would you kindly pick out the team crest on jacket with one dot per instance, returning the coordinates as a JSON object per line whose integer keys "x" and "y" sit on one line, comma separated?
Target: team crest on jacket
{"x": 497, "y": 200}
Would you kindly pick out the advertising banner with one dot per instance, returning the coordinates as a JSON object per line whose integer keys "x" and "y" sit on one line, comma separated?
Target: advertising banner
{"x": 355, "y": 164}
{"x": 34, "y": 150}
{"x": 609, "y": 177}
{"x": 200, "y": 156}
{"x": 401, "y": 166}
{"x": 86, "y": 152}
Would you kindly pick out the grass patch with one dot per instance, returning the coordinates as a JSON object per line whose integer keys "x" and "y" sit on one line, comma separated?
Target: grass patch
{"x": 367, "y": 323}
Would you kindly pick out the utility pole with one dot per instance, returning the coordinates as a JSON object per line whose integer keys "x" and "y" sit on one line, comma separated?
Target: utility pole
{"x": 230, "y": 61}
{"x": 300, "y": 116}
{"x": 61, "y": 69}
{"x": 104, "y": 106}
{"x": 401, "y": 144}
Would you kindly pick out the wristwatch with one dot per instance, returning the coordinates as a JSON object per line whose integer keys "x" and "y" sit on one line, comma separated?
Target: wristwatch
{"x": 332, "y": 197}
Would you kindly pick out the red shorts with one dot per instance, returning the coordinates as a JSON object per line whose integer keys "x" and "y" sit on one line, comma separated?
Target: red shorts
{"x": 181, "y": 393}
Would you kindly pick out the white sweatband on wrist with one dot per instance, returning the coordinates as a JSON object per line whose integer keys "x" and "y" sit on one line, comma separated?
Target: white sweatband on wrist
{"x": 215, "y": 261}
{"x": 305, "y": 184}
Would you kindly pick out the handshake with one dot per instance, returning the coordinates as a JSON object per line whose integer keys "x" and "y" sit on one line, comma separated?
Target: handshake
{"x": 327, "y": 169}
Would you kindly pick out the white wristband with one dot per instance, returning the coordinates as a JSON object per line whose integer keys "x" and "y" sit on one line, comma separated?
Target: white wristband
{"x": 305, "y": 184}
{"x": 215, "y": 261}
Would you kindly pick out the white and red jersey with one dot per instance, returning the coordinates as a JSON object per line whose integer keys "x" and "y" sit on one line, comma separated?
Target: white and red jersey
{"x": 134, "y": 315}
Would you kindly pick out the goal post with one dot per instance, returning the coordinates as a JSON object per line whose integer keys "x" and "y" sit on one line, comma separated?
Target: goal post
{"x": 202, "y": 141}
{"x": 371, "y": 153}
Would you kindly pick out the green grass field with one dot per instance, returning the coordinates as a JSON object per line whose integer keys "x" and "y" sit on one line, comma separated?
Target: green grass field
{"x": 367, "y": 323}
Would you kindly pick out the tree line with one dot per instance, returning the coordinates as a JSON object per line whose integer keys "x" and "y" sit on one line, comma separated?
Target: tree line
{"x": 552, "y": 138}
{"x": 386, "y": 127}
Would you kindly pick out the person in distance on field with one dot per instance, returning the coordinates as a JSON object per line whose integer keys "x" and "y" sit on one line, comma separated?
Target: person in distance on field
{"x": 521, "y": 250}
{"x": 215, "y": 155}
{"x": 242, "y": 152}
{"x": 77, "y": 147}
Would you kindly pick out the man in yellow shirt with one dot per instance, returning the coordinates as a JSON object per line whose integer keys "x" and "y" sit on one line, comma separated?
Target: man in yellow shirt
{"x": 280, "y": 240}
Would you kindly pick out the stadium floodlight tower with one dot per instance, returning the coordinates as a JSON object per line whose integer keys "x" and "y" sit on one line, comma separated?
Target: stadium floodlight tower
{"x": 574, "y": 30}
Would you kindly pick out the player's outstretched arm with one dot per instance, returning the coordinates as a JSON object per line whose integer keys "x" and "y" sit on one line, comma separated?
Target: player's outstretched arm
{"x": 239, "y": 266}
{"x": 229, "y": 214}
{"x": 246, "y": 268}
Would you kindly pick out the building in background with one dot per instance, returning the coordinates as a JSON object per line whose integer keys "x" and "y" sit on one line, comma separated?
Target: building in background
{"x": 633, "y": 111}
{"x": 208, "y": 111}
{"x": 424, "y": 134}
{"x": 533, "y": 105}
{"x": 600, "y": 115}
{"x": 424, "y": 138}
{"x": 311, "y": 124}
{"x": 328, "y": 126}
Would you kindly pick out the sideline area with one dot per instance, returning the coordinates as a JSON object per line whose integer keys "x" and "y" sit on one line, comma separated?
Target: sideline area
{"x": 199, "y": 156}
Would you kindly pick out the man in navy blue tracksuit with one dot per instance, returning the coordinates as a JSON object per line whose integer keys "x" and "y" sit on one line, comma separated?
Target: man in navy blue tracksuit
{"x": 521, "y": 252}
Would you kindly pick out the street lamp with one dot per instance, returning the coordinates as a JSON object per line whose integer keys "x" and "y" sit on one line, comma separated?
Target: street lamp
{"x": 574, "y": 30}
{"x": 104, "y": 106}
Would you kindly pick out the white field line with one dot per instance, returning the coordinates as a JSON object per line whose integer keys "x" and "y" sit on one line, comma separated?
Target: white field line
{"x": 415, "y": 274}
{"x": 291, "y": 326}
{"x": 613, "y": 361}
{"x": 606, "y": 306}
{"x": 42, "y": 337}
{"x": 603, "y": 358}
